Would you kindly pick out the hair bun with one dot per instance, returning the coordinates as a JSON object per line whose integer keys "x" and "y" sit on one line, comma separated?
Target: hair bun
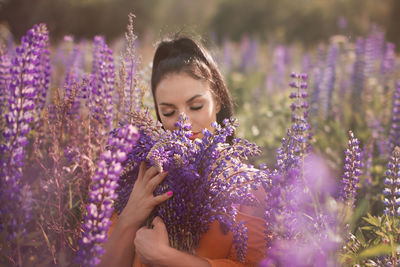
{"x": 181, "y": 47}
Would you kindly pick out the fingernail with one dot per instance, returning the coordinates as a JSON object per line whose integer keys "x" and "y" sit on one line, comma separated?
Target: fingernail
{"x": 169, "y": 193}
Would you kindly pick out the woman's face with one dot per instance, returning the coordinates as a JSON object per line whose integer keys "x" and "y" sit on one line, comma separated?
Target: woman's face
{"x": 179, "y": 93}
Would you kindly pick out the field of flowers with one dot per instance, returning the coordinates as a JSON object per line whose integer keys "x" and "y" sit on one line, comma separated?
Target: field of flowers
{"x": 326, "y": 121}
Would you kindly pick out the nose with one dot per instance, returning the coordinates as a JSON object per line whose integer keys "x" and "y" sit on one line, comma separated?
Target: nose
{"x": 185, "y": 118}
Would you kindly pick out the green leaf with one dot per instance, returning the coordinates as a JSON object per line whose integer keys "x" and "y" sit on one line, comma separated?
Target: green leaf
{"x": 367, "y": 228}
{"x": 371, "y": 252}
{"x": 372, "y": 220}
{"x": 360, "y": 237}
{"x": 360, "y": 210}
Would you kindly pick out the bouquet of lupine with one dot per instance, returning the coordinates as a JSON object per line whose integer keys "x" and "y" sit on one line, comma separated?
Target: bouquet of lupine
{"x": 208, "y": 177}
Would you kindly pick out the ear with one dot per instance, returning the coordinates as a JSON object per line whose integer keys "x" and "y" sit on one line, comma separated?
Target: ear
{"x": 217, "y": 106}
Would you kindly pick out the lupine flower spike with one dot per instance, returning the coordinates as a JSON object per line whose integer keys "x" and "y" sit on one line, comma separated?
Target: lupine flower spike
{"x": 391, "y": 193}
{"x": 102, "y": 195}
{"x": 297, "y": 141}
{"x": 22, "y": 97}
{"x": 394, "y": 134}
{"x": 352, "y": 170}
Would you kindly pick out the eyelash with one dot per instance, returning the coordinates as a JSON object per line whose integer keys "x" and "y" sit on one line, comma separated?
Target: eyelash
{"x": 172, "y": 112}
{"x": 196, "y": 108}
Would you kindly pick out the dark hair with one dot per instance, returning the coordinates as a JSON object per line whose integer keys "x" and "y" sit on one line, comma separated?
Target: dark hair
{"x": 184, "y": 54}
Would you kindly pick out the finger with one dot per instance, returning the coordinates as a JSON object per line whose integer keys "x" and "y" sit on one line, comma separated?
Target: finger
{"x": 139, "y": 232}
{"x": 142, "y": 170}
{"x": 161, "y": 198}
{"x": 158, "y": 224}
{"x": 150, "y": 173}
{"x": 157, "y": 220}
{"x": 157, "y": 180}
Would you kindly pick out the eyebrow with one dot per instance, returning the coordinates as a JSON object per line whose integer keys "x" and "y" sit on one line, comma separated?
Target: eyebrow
{"x": 190, "y": 100}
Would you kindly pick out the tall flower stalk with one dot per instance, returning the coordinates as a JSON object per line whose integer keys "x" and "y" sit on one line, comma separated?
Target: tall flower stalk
{"x": 391, "y": 192}
{"x": 103, "y": 72}
{"x": 296, "y": 144}
{"x": 288, "y": 177}
{"x": 388, "y": 60}
{"x": 15, "y": 210}
{"x": 127, "y": 85}
{"x": 352, "y": 170}
{"x": 394, "y": 133}
{"x": 102, "y": 195}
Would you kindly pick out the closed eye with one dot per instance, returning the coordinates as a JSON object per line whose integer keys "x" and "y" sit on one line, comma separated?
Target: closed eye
{"x": 169, "y": 113}
{"x": 196, "y": 108}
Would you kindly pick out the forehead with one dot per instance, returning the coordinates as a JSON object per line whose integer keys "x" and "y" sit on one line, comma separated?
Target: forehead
{"x": 180, "y": 86}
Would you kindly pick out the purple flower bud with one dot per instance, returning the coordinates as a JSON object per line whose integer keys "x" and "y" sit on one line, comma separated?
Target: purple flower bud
{"x": 293, "y": 84}
{"x": 304, "y": 76}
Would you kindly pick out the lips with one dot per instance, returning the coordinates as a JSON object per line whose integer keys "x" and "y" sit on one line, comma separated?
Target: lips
{"x": 194, "y": 136}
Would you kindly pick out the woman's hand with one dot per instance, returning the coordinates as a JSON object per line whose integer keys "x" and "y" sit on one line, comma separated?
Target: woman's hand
{"x": 142, "y": 201}
{"x": 152, "y": 248}
{"x": 152, "y": 244}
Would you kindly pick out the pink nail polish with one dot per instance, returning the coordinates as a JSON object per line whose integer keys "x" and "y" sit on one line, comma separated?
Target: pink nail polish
{"x": 169, "y": 193}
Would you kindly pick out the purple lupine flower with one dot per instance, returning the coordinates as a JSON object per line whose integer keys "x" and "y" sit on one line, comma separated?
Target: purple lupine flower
{"x": 367, "y": 158}
{"x": 280, "y": 58}
{"x": 370, "y": 55}
{"x": 102, "y": 194}
{"x": 42, "y": 81}
{"x": 287, "y": 180}
{"x": 73, "y": 73}
{"x": 317, "y": 78}
{"x": 21, "y": 99}
{"x": 358, "y": 78}
{"x": 227, "y": 55}
{"x": 377, "y": 37}
{"x": 394, "y": 133}
{"x": 388, "y": 59}
{"x": 391, "y": 192}
{"x": 378, "y": 134}
{"x": 352, "y": 170}
{"x": 103, "y": 83}
{"x": 299, "y": 222}
{"x": 328, "y": 80}
{"x": 306, "y": 64}
{"x": 297, "y": 142}
{"x": 249, "y": 53}
{"x": 208, "y": 166}
{"x": 5, "y": 78}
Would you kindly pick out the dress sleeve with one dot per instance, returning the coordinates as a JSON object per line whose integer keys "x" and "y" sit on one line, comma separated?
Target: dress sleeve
{"x": 225, "y": 263}
{"x": 218, "y": 248}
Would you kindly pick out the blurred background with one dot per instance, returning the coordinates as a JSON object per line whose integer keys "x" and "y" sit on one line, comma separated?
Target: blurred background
{"x": 285, "y": 21}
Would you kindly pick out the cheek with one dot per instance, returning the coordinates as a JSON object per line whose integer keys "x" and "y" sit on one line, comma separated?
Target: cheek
{"x": 207, "y": 117}
{"x": 168, "y": 123}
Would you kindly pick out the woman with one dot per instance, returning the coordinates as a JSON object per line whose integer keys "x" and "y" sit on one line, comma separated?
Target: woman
{"x": 184, "y": 79}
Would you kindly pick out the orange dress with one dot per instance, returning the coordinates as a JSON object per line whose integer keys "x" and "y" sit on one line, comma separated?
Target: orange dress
{"x": 218, "y": 249}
